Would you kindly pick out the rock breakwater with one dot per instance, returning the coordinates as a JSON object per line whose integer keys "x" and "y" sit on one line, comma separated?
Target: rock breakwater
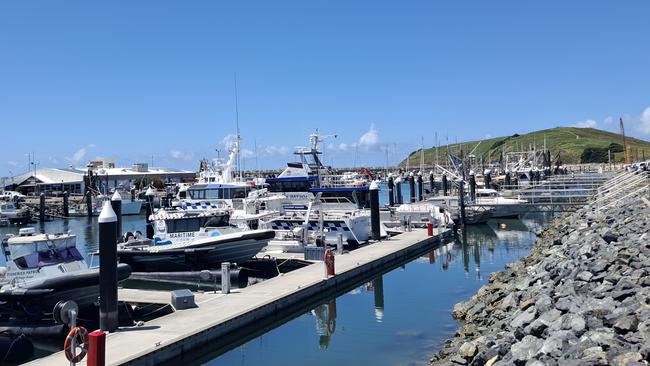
{"x": 580, "y": 298}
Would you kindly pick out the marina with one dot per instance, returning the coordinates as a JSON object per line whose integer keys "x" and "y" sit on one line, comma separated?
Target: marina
{"x": 254, "y": 253}
{"x": 324, "y": 183}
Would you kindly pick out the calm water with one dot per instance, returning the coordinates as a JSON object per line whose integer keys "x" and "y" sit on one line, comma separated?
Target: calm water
{"x": 401, "y": 317}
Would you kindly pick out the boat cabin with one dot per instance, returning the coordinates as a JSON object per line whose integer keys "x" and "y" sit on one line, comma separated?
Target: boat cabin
{"x": 173, "y": 222}
{"x": 32, "y": 251}
{"x": 7, "y": 207}
{"x": 486, "y": 193}
{"x": 218, "y": 191}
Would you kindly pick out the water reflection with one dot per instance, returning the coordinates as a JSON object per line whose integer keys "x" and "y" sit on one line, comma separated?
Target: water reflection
{"x": 325, "y": 322}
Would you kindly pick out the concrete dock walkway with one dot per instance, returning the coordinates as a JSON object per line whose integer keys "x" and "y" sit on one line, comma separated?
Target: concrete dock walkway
{"x": 217, "y": 315}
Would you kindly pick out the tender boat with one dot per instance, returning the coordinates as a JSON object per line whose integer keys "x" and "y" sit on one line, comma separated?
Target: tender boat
{"x": 43, "y": 269}
{"x": 14, "y": 215}
{"x": 502, "y": 206}
{"x": 192, "y": 240}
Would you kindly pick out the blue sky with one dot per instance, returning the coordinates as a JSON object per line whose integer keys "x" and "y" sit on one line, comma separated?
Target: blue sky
{"x": 131, "y": 80}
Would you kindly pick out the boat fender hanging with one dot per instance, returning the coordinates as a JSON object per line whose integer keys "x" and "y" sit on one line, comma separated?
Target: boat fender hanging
{"x": 446, "y": 219}
{"x": 81, "y": 334}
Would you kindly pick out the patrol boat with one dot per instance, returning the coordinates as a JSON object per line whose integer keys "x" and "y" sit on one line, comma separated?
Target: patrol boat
{"x": 43, "y": 269}
{"x": 192, "y": 240}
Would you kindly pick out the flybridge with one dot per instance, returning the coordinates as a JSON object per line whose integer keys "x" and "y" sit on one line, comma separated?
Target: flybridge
{"x": 219, "y": 191}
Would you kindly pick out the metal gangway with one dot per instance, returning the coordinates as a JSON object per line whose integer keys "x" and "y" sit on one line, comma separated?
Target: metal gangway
{"x": 625, "y": 185}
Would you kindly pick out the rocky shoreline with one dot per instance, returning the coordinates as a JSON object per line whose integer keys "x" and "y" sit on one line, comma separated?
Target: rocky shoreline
{"x": 580, "y": 298}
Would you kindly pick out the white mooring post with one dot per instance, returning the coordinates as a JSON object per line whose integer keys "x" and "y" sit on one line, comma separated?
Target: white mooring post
{"x": 225, "y": 278}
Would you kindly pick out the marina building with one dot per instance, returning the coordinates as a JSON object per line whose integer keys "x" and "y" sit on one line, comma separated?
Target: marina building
{"x": 106, "y": 177}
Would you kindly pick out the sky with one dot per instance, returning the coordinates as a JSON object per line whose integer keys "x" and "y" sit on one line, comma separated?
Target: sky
{"x": 137, "y": 81}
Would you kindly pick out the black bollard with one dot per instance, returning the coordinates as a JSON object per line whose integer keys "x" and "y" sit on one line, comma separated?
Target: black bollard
{"x": 132, "y": 194}
{"x": 461, "y": 201}
{"x": 444, "y": 185}
{"x": 108, "y": 314}
{"x": 420, "y": 187}
{"x": 116, "y": 204}
{"x": 391, "y": 197}
{"x": 378, "y": 289}
{"x": 411, "y": 188}
{"x": 149, "y": 225}
{"x": 432, "y": 183}
{"x": 89, "y": 204}
{"x": 41, "y": 207}
{"x": 488, "y": 180}
{"x": 472, "y": 187}
{"x": 508, "y": 180}
{"x": 374, "y": 211}
{"x": 66, "y": 204}
{"x": 398, "y": 190}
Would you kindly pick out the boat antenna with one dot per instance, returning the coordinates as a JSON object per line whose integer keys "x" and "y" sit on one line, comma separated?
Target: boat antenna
{"x": 237, "y": 142}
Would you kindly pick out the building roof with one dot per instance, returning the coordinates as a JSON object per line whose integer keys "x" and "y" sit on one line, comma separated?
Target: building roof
{"x": 50, "y": 176}
{"x": 113, "y": 172}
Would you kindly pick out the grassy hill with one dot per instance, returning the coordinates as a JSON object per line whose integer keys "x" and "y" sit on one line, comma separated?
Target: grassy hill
{"x": 574, "y": 145}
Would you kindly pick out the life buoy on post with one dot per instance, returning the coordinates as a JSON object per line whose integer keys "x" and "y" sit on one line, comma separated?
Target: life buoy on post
{"x": 329, "y": 263}
{"x": 80, "y": 336}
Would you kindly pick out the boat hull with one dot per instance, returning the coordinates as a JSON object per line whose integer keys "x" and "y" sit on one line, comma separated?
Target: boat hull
{"x": 79, "y": 286}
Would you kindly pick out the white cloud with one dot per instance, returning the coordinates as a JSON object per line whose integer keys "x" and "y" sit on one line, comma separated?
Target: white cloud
{"x": 590, "y": 123}
{"x": 370, "y": 139}
{"x": 245, "y": 153}
{"x": 179, "y": 155}
{"x": 608, "y": 120}
{"x": 639, "y": 124}
{"x": 228, "y": 141}
{"x": 80, "y": 154}
{"x": 644, "y": 122}
{"x": 272, "y": 150}
{"x": 12, "y": 163}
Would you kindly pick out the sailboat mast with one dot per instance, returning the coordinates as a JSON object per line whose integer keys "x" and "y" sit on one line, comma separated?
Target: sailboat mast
{"x": 238, "y": 140}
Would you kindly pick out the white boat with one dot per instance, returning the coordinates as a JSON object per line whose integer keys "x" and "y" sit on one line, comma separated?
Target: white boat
{"x": 423, "y": 213}
{"x": 327, "y": 217}
{"x": 190, "y": 240}
{"x": 43, "y": 269}
{"x": 502, "y": 206}
{"x": 13, "y": 214}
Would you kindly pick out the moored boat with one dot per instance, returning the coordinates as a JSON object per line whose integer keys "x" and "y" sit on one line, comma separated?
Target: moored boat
{"x": 190, "y": 240}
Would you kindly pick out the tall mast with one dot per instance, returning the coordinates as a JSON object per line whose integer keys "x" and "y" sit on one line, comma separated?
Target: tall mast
{"x": 238, "y": 140}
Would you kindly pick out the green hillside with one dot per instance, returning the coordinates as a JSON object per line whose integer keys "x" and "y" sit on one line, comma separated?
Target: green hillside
{"x": 575, "y": 145}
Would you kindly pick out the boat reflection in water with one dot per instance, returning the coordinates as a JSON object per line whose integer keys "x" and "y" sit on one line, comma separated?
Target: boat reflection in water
{"x": 476, "y": 242}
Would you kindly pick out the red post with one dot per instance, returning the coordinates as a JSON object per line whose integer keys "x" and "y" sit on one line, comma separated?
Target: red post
{"x": 329, "y": 263}
{"x": 96, "y": 348}
{"x": 430, "y": 229}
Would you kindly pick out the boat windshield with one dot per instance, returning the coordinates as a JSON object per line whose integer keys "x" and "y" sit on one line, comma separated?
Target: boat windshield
{"x": 217, "y": 193}
{"x": 192, "y": 224}
{"x": 44, "y": 253}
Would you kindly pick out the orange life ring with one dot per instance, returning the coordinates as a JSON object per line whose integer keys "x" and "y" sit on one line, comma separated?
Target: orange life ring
{"x": 67, "y": 346}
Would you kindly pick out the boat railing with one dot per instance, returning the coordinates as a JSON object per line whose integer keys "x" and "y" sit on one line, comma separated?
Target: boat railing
{"x": 337, "y": 181}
